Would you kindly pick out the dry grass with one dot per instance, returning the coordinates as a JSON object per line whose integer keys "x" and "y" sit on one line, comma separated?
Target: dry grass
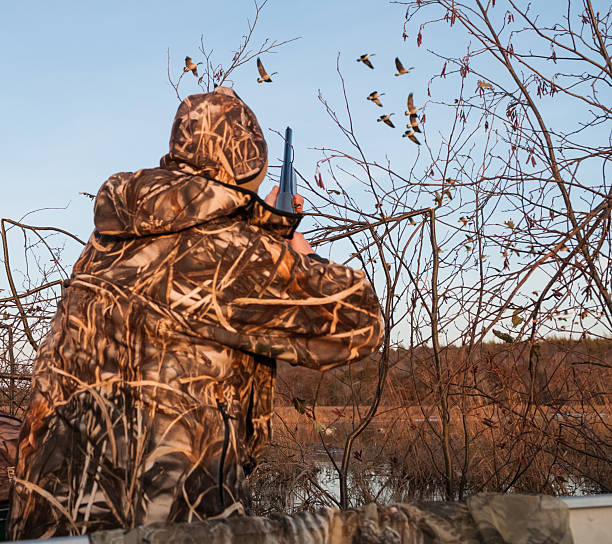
{"x": 548, "y": 431}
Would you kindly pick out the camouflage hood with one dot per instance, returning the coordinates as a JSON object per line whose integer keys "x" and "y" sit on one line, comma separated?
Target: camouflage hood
{"x": 217, "y": 136}
{"x": 216, "y": 146}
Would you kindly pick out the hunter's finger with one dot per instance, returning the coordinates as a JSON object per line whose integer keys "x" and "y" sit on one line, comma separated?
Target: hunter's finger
{"x": 298, "y": 203}
{"x": 271, "y": 198}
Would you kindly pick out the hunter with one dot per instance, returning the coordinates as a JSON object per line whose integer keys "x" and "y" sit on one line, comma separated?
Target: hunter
{"x": 152, "y": 393}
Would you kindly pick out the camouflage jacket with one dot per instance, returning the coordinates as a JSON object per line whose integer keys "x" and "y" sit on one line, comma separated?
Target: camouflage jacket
{"x": 155, "y": 382}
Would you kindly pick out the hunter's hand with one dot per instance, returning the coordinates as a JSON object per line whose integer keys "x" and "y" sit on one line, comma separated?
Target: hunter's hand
{"x": 300, "y": 244}
{"x": 298, "y": 200}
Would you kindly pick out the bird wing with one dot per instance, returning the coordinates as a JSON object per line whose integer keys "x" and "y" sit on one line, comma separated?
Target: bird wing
{"x": 414, "y": 122}
{"x": 377, "y": 102}
{"x": 389, "y": 122}
{"x": 413, "y": 138}
{"x": 195, "y": 71}
{"x": 368, "y": 63}
{"x": 260, "y": 67}
{"x": 411, "y": 108}
{"x": 188, "y": 62}
{"x": 398, "y": 65}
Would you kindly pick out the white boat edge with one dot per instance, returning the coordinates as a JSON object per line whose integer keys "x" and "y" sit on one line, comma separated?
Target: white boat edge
{"x": 590, "y": 518}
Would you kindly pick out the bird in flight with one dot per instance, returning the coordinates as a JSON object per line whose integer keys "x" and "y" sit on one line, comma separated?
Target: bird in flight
{"x": 191, "y": 66}
{"x": 400, "y": 67}
{"x": 365, "y": 58}
{"x": 484, "y": 85}
{"x": 412, "y": 112}
{"x": 414, "y": 124}
{"x": 374, "y": 96}
{"x": 411, "y": 136}
{"x": 262, "y": 72}
{"x": 385, "y": 119}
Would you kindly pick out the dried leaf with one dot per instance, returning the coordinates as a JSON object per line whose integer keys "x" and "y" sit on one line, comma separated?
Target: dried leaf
{"x": 299, "y": 405}
{"x": 516, "y": 318}
{"x": 503, "y": 336}
{"x": 319, "y": 180}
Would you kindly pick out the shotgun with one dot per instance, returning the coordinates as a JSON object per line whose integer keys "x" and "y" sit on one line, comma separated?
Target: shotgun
{"x": 287, "y": 183}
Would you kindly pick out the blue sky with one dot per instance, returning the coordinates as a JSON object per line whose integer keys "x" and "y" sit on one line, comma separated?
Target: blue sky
{"x": 85, "y": 90}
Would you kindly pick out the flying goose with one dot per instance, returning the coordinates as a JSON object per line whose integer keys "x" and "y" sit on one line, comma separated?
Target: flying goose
{"x": 262, "y": 72}
{"x": 385, "y": 119}
{"x": 374, "y": 96}
{"x": 414, "y": 124}
{"x": 365, "y": 58}
{"x": 411, "y": 136}
{"x": 400, "y": 67}
{"x": 412, "y": 112}
{"x": 191, "y": 66}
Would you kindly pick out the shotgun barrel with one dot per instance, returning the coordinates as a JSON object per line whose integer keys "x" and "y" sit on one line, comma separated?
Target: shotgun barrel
{"x": 287, "y": 183}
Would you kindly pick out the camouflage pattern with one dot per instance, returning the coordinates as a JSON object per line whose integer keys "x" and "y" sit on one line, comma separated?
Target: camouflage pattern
{"x": 486, "y": 518}
{"x": 9, "y": 434}
{"x": 217, "y": 136}
{"x": 155, "y": 382}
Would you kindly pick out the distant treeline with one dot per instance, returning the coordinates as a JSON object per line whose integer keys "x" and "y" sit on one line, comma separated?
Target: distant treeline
{"x": 563, "y": 370}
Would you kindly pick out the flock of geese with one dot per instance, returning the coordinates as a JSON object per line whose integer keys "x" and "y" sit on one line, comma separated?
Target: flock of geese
{"x": 412, "y": 112}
